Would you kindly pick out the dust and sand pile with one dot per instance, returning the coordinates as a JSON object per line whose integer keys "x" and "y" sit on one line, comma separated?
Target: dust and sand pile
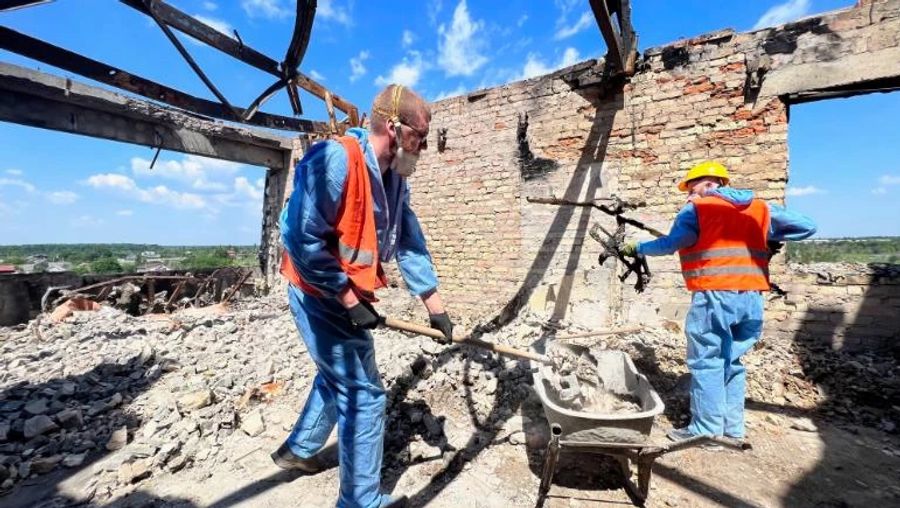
{"x": 576, "y": 383}
{"x": 182, "y": 393}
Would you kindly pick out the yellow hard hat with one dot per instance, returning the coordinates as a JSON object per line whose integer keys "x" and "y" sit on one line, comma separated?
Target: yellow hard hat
{"x": 707, "y": 168}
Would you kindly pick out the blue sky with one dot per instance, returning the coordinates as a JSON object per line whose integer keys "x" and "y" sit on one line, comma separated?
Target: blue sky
{"x": 63, "y": 188}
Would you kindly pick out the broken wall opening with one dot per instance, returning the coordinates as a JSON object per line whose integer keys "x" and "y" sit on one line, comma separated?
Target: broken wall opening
{"x": 843, "y": 173}
{"x": 185, "y": 218}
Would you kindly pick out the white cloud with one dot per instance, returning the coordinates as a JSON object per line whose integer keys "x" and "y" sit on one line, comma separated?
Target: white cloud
{"x": 522, "y": 19}
{"x": 328, "y": 9}
{"x": 534, "y": 66}
{"x": 244, "y": 194}
{"x": 407, "y": 39}
{"x": 803, "y": 191}
{"x": 218, "y": 24}
{"x": 125, "y": 213}
{"x": 783, "y": 13}
{"x": 889, "y": 180}
{"x": 563, "y": 32}
{"x": 885, "y": 181}
{"x": 406, "y": 73}
{"x": 86, "y": 221}
{"x": 243, "y": 187}
{"x": 62, "y": 197}
{"x": 14, "y": 172}
{"x": 17, "y": 182}
{"x": 271, "y": 9}
{"x": 201, "y": 173}
{"x": 210, "y": 6}
{"x": 316, "y": 75}
{"x": 357, "y": 69}
{"x": 434, "y": 8}
{"x": 460, "y": 44}
{"x": 459, "y": 90}
{"x": 158, "y": 195}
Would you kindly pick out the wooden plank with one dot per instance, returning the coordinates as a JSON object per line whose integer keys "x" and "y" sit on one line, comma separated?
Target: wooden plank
{"x": 42, "y": 100}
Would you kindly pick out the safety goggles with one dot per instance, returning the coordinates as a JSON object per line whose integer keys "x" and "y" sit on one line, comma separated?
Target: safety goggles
{"x": 423, "y": 136}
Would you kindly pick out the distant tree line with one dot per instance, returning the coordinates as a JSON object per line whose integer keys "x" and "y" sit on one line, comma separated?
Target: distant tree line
{"x": 848, "y": 250}
{"x": 126, "y": 258}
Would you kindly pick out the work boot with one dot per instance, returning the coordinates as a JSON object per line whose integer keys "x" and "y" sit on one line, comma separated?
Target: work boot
{"x": 683, "y": 434}
{"x": 284, "y": 458}
{"x": 396, "y": 502}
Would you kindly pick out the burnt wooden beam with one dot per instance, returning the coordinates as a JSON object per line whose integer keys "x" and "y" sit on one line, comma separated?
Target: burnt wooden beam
{"x": 9, "y": 5}
{"x": 47, "y": 53}
{"x": 42, "y": 100}
{"x": 151, "y": 8}
{"x": 621, "y": 41}
{"x": 212, "y": 37}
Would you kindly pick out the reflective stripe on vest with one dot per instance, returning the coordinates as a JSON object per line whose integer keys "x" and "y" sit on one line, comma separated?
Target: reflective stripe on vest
{"x": 727, "y": 252}
{"x": 730, "y": 253}
{"x": 726, "y": 270}
{"x": 357, "y": 256}
{"x": 355, "y": 241}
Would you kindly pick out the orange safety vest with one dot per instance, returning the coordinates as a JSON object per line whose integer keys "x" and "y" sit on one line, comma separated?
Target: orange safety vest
{"x": 731, "y": 253}
{"x": 355, "y": 242}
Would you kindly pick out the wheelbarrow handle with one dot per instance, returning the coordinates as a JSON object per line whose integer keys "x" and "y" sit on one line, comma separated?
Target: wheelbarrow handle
{"x": 406, "y": 326}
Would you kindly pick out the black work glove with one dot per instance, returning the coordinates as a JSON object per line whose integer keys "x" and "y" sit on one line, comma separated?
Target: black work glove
{"x": 363, "y": 315}
{"x": 442, "y": 322}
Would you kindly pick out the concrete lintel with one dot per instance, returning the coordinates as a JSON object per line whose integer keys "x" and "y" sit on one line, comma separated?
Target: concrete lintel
{"x": 846, "y": 71}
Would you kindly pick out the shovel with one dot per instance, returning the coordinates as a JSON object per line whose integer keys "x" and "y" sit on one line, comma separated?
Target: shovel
{"x": 406, "y": 326}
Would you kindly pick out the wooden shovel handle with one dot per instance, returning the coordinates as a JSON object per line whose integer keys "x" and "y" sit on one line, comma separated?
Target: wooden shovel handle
{"x": 406, "y": 326}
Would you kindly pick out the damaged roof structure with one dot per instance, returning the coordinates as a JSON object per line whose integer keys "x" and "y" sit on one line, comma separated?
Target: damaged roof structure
{"x": 188, "y": 403}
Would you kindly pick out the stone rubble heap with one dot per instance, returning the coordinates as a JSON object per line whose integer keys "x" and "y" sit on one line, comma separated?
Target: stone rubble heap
{"x": 140, "y": 397}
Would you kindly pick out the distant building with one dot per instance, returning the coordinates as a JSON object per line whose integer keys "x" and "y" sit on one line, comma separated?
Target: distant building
{"x": 152, "y": 266}
{"x": 149, "y": 255}
{"x": 231, "y": 253}
{"x": 37, "y": 258}
{"x": 59, "y": 266}
{"x": 40, "y": 266}
{"x": 7, "y": 269}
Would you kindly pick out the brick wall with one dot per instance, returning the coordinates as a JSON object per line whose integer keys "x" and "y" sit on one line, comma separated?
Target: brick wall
{"x": 703, "y": 98}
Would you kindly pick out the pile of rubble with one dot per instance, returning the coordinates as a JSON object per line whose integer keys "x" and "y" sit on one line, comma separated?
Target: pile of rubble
{"x": 133, "y": 397}
{"x": 162, "y": 391}
{"x": 138, "y": 396}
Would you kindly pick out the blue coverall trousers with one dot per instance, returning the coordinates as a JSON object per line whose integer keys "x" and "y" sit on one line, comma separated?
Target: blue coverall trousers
{"x": 720, "y": 327}
{"x": 347, "y": 391}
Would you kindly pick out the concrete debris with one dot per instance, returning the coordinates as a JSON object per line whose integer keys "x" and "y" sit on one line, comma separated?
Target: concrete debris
{"x": 804, "y": 424}
{"x": 118, "y": 439}
{"x": 37, "y": 425}
{"x": 577, "y": 383}
{"x": 196, "y": 400}
{"x": 253, "y": 423}
{"x": 187, "y": 386}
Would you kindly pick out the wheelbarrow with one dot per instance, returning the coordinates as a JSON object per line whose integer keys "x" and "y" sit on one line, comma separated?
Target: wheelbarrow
{"x": 623, "y": 436}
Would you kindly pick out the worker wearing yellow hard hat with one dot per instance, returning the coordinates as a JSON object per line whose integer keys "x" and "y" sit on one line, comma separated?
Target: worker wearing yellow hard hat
{"x": 722, "y": 235}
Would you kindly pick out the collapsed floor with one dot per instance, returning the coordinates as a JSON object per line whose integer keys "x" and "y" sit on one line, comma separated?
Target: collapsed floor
{"x": 182, "y": 409}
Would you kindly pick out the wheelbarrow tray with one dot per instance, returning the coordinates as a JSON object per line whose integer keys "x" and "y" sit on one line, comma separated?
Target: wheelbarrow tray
{"x": 619, "y": 375}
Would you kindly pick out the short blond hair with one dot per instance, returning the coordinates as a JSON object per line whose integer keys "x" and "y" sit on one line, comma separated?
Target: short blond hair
{"x": 409, "y": 108}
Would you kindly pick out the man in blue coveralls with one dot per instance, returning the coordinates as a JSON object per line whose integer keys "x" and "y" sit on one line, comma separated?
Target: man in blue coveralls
{"x": 721, "y": 236}
{"x": 348, "y": 213}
